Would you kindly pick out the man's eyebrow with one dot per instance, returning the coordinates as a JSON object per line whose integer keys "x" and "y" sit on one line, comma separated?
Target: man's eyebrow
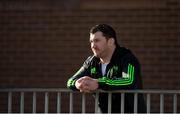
{"x": 94, "y": 39}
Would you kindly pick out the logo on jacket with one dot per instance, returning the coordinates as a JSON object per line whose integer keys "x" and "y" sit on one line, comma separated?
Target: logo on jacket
{"x": 113, "y": 72}
{"x": 125, "y": 75}
{"x": 93, "y": 70}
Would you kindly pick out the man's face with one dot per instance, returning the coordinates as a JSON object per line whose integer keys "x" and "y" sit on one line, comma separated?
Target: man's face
{"x": 99, "y": 44}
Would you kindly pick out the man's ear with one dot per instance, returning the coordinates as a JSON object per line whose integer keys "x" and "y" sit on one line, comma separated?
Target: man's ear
{"x": 111, "y": 41}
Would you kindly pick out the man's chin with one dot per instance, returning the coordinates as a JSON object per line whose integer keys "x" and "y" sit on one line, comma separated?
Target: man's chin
{"x": 96, "y": 55}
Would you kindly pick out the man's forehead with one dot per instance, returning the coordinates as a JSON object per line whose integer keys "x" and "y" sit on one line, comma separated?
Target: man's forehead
{"x": 92, "y": 35}
{"x": 97, "y": 34}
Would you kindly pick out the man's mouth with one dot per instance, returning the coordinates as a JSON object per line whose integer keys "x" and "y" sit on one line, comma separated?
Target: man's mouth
{"x": 95, "y": 49}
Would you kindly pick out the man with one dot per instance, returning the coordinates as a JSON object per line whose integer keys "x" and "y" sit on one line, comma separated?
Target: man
{"x": 110, "y": 68}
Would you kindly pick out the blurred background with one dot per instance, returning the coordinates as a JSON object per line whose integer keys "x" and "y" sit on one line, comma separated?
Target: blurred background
{"x": 44, "y": 42}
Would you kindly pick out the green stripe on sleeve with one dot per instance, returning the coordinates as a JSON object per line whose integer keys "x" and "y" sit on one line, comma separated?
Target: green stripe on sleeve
{"x": 119, "y": 82}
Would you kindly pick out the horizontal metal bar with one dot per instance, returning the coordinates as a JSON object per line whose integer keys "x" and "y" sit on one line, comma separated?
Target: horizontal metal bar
{"x": 35, "y": 90}
{"x": 68, "y": 90}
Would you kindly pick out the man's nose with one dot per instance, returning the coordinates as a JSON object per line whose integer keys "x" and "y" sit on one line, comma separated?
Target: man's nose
{"x": 92, "y": 45}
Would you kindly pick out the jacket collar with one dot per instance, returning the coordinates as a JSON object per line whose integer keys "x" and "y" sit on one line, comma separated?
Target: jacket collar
{"x": 118, "y": 53}
{"x": 115, "y": 54}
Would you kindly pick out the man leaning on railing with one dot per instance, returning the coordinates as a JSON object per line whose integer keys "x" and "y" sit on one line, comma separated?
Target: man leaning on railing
{"x": 112, "y": 67}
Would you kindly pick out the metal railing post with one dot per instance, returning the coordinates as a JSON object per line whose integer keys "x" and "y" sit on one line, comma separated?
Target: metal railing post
{"x": 71, "y": 103}
{"x": 22, "y": 102}
{"x": 109, "y": 102}
{"x": 161, "y": 103}
{"x": 83, "y": 103}
{"x": 148, "y": 102}
{"x": 9, "y": 102}
{"x": 96, "y": 102}
{"x": 34, "y": 102}
{"x": 58, "y": 102}
{"x": 46, "y": 102}
{"x": 175, "y": 103}
{"x": 135, "y": 102}
{"x": 122, "y": 103}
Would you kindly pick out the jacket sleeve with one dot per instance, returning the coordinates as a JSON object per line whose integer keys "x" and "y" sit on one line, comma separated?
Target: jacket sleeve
{"x": 128, "y": 77}
{"x": 83, "y": 71}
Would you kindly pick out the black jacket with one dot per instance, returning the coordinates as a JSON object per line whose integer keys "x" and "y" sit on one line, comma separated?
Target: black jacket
{"x": 123, "y": 72}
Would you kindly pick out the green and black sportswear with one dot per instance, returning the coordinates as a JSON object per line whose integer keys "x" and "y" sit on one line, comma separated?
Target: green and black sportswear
{"x": 123, "y": 72}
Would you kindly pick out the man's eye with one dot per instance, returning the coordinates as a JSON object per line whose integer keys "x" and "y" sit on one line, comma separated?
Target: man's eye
{"x": 91, "y": 41}
{"x": 96, "y": 40}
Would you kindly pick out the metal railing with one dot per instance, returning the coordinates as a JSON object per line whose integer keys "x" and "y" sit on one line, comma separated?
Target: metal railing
{"x": 59, "y": 101}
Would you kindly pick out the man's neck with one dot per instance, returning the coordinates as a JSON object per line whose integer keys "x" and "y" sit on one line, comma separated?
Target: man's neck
{"x": 107, "y": 58}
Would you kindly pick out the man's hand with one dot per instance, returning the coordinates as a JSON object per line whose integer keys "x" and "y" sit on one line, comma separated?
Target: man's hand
{"x": 82, "y": 85}
{"x": 86, "y": 84}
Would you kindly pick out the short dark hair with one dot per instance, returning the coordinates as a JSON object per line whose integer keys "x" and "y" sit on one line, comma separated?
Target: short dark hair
{"x": 107, "y": 31}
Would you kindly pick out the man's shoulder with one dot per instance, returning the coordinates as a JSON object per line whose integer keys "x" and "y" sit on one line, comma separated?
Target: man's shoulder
{"x": 123, "y": 51}
{"x": 128, "y": 55}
